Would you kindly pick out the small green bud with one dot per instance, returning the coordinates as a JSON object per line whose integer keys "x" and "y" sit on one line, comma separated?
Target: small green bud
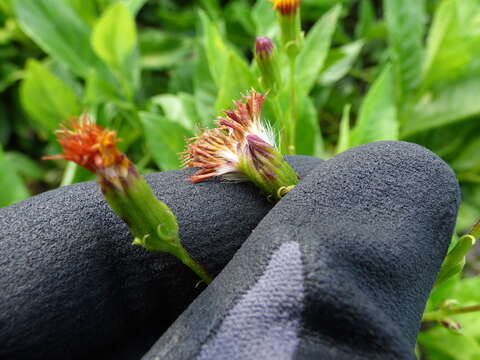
{"x": 266, "y": 58}
{"x": 455, "y": 260}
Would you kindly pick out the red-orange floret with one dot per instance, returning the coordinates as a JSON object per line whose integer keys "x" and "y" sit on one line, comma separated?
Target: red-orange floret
{"x": 286, "y": 7}
{"x": 89, "y": 145}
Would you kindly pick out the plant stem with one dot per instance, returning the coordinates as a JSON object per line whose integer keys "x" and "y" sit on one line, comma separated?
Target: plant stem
{"x": 69, "y": 174}
{"x": 277, "y": 113}
{"x": 195, "y": 266}
{"x": 442, "y": 313}
{"x": 475, "y": 231}
{"x": 144, "y": 161}
{"x": 150, "y": 220}
{"x": 293, "y": 104}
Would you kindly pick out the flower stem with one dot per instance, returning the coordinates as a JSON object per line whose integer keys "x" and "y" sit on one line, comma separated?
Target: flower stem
{"x": 69, "y": 174}
{"x": 195, "y": 266}
{"x": 283, "y": 127}
{"x": 293, "y": 105}
{"x": 151, "y": 221}
{"x": 475, "y": 231}
{"x": 442, "y": 313}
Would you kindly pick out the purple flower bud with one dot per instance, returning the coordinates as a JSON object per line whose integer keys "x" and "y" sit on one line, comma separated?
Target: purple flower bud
{"x": 266, "y": 58}
{"x": 263, "y": 48}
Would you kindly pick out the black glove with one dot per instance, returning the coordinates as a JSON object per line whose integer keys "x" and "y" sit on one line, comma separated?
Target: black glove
{"x": 72, "y": 285}
{"x": 340, "y": 268}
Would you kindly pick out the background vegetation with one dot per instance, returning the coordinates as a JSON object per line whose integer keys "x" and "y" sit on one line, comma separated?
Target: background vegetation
{"x": 156, "y": 71}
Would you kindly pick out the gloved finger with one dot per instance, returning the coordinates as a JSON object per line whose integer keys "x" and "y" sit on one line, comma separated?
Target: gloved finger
{"x": 340, "y": 268}
{"x": 73, "y": 286}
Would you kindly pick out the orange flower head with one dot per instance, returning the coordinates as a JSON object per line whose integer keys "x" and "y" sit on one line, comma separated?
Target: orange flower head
{"x": 90, "y": 146}
{"x": 286, "y": 7}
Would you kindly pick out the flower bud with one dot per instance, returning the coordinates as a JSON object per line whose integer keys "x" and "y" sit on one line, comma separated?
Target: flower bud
{"x": 290, "y": 26}
{"x": 266, "y": 58}
{"x": 149, "y": 219}
{"x": 263, "y": 48}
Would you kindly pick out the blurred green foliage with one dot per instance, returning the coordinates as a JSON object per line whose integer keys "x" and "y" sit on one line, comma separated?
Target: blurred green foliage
{"x": 158, "y": 71}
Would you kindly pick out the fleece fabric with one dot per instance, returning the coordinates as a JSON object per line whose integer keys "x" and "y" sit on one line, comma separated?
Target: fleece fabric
{"x": 72, "y": 285}
{"x": 340, "y": 268}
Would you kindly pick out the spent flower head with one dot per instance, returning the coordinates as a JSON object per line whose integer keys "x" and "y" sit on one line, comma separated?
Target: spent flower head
{"x": 95, "y": 149}
{"x": 151, "y": 221}
{"x": 242, "y": 148}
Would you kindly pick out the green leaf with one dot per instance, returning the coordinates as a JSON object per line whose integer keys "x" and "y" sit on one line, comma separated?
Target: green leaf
{"x": 47, "y": 100}
{"x": 265, "y": 19}
{"x": 98, "y": 90}
{"x": 469, "y": 211}
{"x": 237, "y": 79}
{"x": 455, "y": 260}
{"x": 406, "y": 27}
{"x": 25, "y": 166}
{"x": 216, "y": 50}
{"x": 377, "y": 119}
{"x": 12, "y": 186}
{"x": 366, "y": 16}
{"x": 179, "y": 109}
{"x": 440, "y": 344}
{"x": 87, "y": 10}
{"x": 6, "y": 7}
{"x": 344, "y": 136}
{"x": 453, "y": 42}
{"x": 115, "y": 35}
{"x": 205, "y": 90}
{"x": 212, "y": 7}
{"x": 9, "y": 74}
{"x": 442, "y": 292}
{"x": 314, "y": 51}
{"x": 308, "y": 136}
{"x": 61, "y": 33}
{"x": 5, "y": 126}
{"x": 135, "y": 5}
{"x": 339, "y": 62}
{"x": 160, "y": 50}
{"x": 453, "y": 103}
{"x": 165, "y": 139}
{"x": 190, "y": 110}
{"x": 468, "y": 291}
{"x": 469, "y": 157}
{"x": 475, "y": 231}
{"x": 240, "y": 12}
